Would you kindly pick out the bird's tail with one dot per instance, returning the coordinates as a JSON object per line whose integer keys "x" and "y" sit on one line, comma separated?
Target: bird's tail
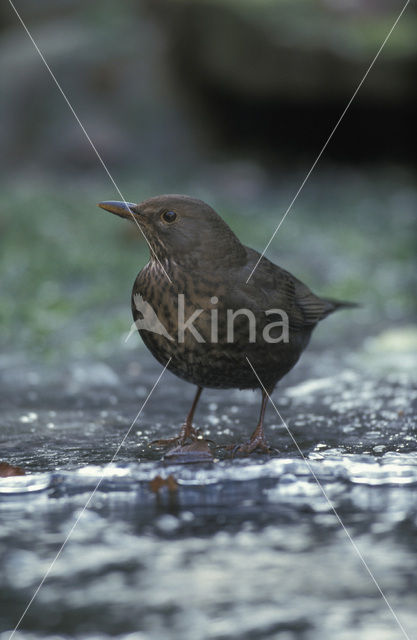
{"x": 334, "y": 305}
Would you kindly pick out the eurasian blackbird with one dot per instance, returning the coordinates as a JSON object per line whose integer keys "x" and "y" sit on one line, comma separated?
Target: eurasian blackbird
{"x": 198, "y": 305}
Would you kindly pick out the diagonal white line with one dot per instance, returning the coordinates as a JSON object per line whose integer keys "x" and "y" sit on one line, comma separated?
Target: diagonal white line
{"x": 91, "y": 496}
{"x": 64, "y": 95}
{"x": 329, "y": 138}
{"x": 362, "y": 559}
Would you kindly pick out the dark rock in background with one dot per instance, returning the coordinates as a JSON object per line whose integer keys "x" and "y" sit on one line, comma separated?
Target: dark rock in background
{"x": 167, "y": 83}
{"x": 274, "y": 77}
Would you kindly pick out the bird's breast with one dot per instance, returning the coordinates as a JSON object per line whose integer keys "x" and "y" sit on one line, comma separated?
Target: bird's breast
{"x": 188, "y": 321}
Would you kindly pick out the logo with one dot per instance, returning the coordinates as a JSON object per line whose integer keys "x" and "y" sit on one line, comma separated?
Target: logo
{"x": 149, "y": 320}
{"x": 272, "y": 332}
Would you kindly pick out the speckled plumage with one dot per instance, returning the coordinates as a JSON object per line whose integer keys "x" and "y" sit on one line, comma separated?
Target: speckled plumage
{"x": 204, "y": 258}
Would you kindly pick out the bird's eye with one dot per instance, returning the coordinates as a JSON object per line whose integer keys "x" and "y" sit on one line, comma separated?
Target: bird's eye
{"x": 169, "y": 216}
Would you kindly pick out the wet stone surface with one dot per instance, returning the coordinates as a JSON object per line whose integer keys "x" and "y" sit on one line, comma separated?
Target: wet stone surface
{"x": 238, "y": 548}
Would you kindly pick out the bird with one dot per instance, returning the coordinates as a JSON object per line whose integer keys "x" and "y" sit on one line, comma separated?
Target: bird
{"x": 230, "y": 317}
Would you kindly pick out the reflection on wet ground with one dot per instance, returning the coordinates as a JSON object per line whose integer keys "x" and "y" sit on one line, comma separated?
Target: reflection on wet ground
{"x": 240, "y": 548}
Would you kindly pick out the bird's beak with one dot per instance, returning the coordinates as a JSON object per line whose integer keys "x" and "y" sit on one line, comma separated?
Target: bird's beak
{"x": 122, "y": 209}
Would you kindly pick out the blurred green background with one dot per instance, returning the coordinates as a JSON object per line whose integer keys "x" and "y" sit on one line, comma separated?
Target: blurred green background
{"x": 224, "y": 100}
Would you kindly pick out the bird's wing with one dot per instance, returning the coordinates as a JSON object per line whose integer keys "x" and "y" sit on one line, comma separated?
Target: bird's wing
{"x": 312, "y": 307}
{"x": 274, "y": 287}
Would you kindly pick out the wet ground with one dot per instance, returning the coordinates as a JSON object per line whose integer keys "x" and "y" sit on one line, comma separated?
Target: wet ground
{"x": 239, "y": 548}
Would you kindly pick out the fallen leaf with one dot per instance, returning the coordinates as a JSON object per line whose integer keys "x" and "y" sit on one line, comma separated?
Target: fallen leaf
{"x": 7, "y": 470}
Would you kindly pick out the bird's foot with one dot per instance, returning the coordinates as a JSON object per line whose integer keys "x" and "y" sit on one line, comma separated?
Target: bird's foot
{"x": 257, "y": 443}
{"x": 186, "y": 436}
{"x": 188, "y": 446}
{"x": 196, "y": 451}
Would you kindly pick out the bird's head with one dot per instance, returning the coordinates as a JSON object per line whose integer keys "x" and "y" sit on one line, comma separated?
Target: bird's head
{"x": 182, "y": 229}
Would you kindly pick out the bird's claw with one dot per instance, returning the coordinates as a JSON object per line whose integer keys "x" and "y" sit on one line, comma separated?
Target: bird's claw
{"x": 184, "y": 438}
{"x": 197, "y": 451}
{"x": 178, "y": 441}
{"x": 258, "y": 443}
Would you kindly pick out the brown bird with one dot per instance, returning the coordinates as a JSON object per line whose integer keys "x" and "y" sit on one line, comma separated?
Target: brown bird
{"x": 198, "y": 305}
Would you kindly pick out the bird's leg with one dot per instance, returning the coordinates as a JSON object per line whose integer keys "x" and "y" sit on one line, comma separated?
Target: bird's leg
{"x": 257, "y": 439}
{"x": 188, "y": 446}
{"x": 187, "y": 431}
